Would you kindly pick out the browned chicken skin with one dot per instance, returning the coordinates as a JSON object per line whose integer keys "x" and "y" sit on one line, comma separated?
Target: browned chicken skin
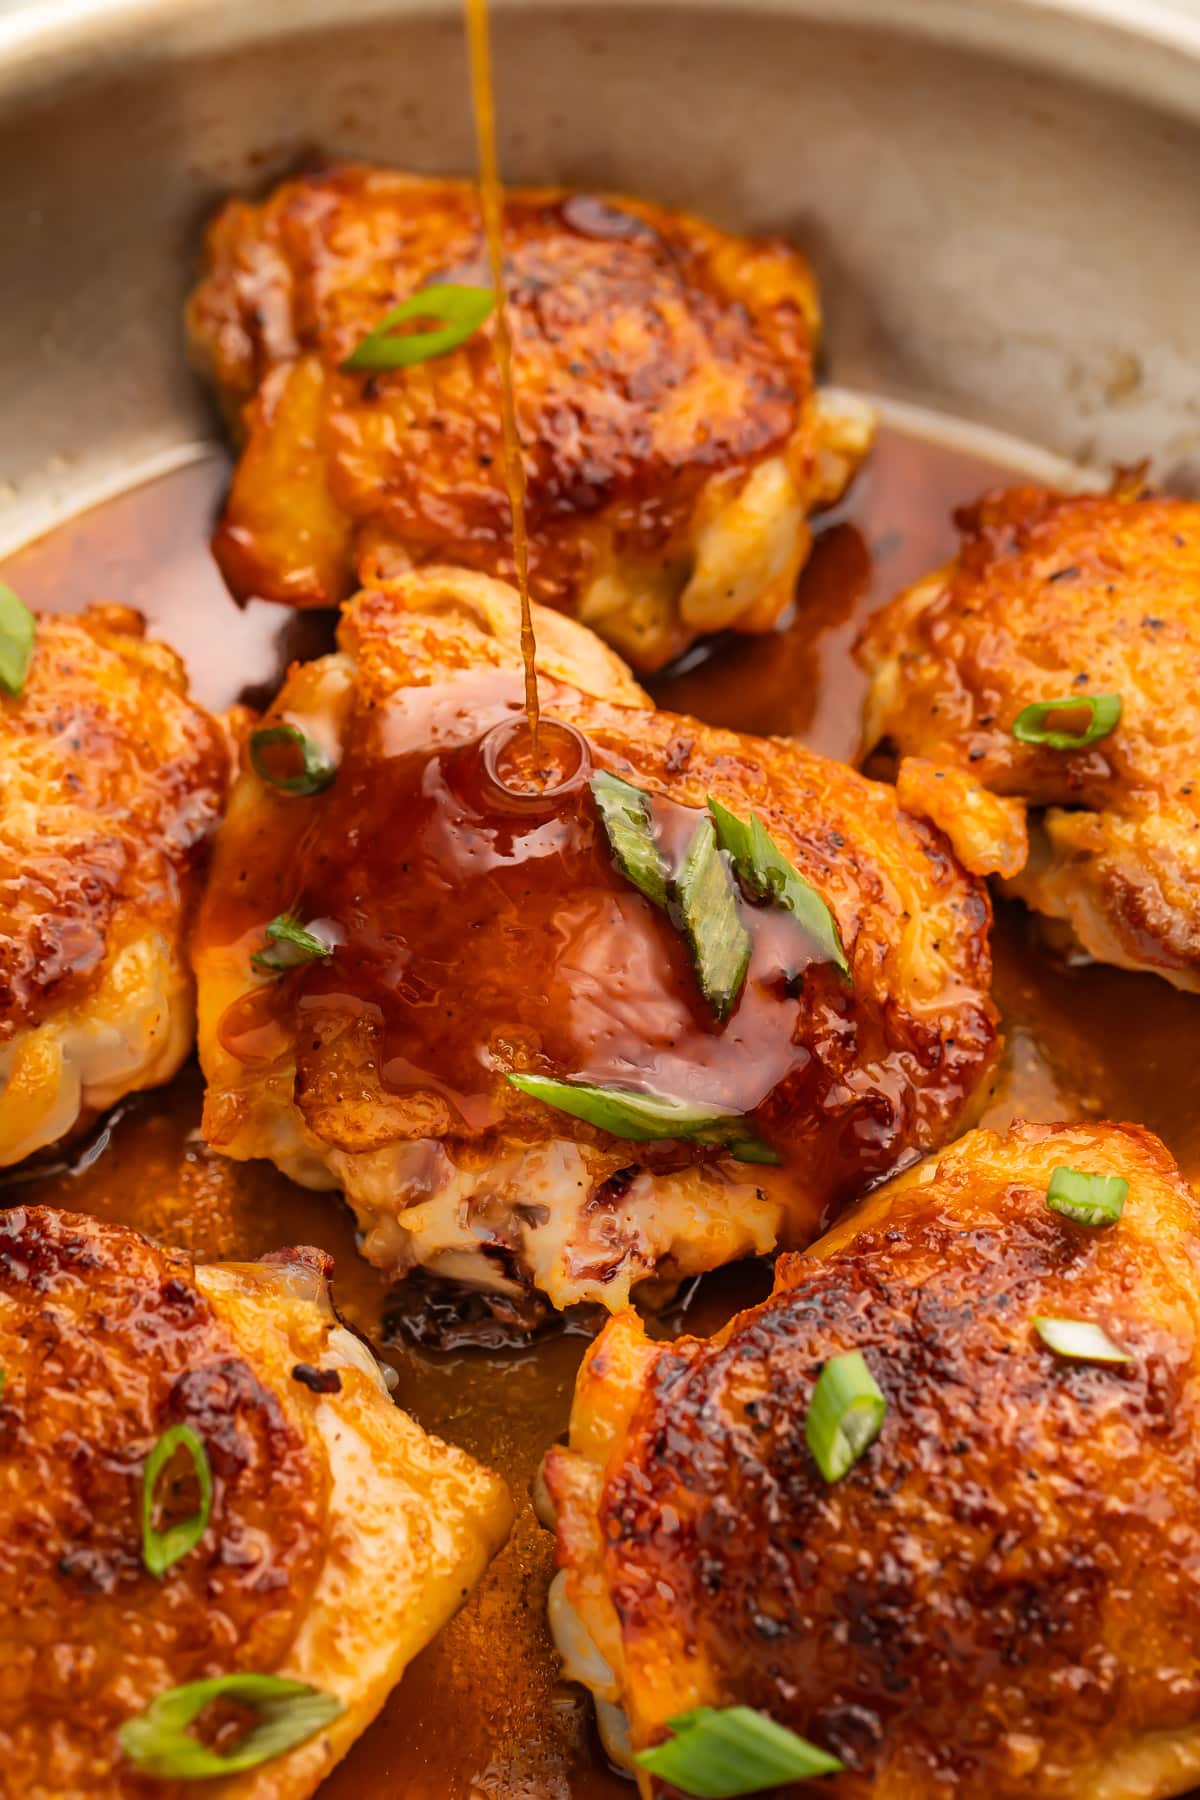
{"x": 111, "y": 779}
{"x": 1002, "y": 1596}
{"x": 1053, "y": 596}
{"x": 319, "y": 1561}
{"x": 674, "y": 444}
{"x": 474, "y": 936}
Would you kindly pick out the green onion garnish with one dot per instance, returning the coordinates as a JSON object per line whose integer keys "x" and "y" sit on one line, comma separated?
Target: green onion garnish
{"x": 845, "y": 1414}
{"x": 162, "y": 1548}
{"x": 706, "y": 900}
{"x": 641, "y": 1117}
{"x": 1088, "y": 1199}
{"x": 17, "y": 629}
{"x": 625, "y": 812}
{"x": 1080, "y": 1341}
{"x": 766, "y": 874}
{"x": 288, "y": 945}
{"x": 158, "y": 1742}
{"x": 463, "y": 310}
{"x": 316, "y": 770}
{"x": 718, "y": 1752}
{"x": 1103, "y": 710}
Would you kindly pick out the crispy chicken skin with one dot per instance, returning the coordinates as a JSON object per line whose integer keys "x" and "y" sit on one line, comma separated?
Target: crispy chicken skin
{"x": 110, "y": 781}
{"x": 674, "y": 443}
{"x": 1002, "y": 1596}
{"x": 341, "y": 1536}
{"x": 1051, "y": 596}
{"x": 473, "y": 938}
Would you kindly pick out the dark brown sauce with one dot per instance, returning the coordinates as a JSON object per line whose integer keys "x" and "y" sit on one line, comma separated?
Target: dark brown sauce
{"x": 491, "y": 200}
{"x": 482, "y": 1712}
{"x": 143, "y": 549}
{"x": 802, "y": 682}
{"x": 527, "y": 880}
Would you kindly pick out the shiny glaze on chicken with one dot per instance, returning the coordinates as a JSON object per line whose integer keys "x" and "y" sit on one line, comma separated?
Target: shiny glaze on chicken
{"x": 1053, "y": 596}
{"x": 674, "y": 444}
{"x": 319, "y": 1560}
{"x": 111, "y": 781}
{"x": 1002, "y": 1596}
{"x": 479, "y": 932}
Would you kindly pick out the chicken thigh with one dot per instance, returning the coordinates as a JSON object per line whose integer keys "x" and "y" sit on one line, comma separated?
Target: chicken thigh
{"x": 203, "y": 1480}
{"x": 111, "y": 780}
{"x": 494, "y": 1038}
{"x": 1000, "y": 1594}
{"x": 1039, "y": 692}
{"x": 674, "y": 444}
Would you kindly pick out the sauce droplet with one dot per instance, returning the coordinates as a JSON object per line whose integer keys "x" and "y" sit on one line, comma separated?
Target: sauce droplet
{"x": 491, "y": 196}
{"x": 526, "y": 773}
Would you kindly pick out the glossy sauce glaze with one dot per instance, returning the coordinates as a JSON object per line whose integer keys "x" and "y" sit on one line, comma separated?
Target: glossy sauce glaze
{"x": 482, "y": 1712}
{"x": 525, "y": 879}
{"x": 475, "y": 934}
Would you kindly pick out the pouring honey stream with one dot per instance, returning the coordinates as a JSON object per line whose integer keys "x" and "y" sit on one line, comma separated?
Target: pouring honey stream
{"x": 519, "y": 764}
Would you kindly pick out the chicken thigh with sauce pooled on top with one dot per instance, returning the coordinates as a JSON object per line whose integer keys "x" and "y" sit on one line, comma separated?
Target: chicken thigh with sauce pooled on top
{"x": 674, "y": 443}
{"x": 666, "y": 1011}
{"x": 926, "y": 1522}
{"x": 204, "y": 1481}
{"x": 1039, "y": 693}
{"x": 111, "y": 780}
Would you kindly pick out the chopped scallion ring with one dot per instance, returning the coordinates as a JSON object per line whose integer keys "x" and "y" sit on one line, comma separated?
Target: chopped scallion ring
{"x": 625, "y": 812}
{"x": 1079, "y": 1341}
{"x": 718, "y": 1752}
{"x": 705, "y": 899}
{"x": 641, "y": 1117}
{"x": 18, "y": 627}
{"x": 1104, "y": 715}
{"x": 316, "y": 769}
{"x": 157, "y": 1740}
{"x": 160, "y": 1549}
{"x": 463, "y": 310}
{"x": 766, "y": 874}
{"x": 288, "y": 945}
{"x": 845, "y": 1414}
{"x": 1087, "y": 1199}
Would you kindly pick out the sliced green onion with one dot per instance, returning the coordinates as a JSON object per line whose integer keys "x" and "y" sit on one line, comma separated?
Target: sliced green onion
{"x": 766, "y": 874}
{"x": 625, "y": 812}
{"x": 845, "y": 1414}
{"x": 718, "y": 1752}
{"x": 1088, "y": 1199}
{"x": 1103, "y": 710}
{"x": 705, "y": 897}
{"x": 288, "y": 945}
{"x": 641, "y": 1117}
{"x": 158, "y": 1742}
{"x": 18, "y": 627}
{"x": 160, "y": 1549}
{"x": 1080, "y": 1341}
{"x": 316, "y": 769}
{"x": 463, "y": 310}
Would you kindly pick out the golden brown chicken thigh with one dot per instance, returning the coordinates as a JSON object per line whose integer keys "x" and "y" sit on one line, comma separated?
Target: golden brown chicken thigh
{"x": 110, "y": 781}
{"x": 674, "y": 444}
{"x": 339, "y": 1537}
{"x": 461, "y": 934}
{"x": 1094, "y": 598}
{"x": 1001, "y": 1596}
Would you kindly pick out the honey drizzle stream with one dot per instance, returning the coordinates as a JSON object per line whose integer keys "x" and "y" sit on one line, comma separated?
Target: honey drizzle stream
{"x": 491, "y": 197}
